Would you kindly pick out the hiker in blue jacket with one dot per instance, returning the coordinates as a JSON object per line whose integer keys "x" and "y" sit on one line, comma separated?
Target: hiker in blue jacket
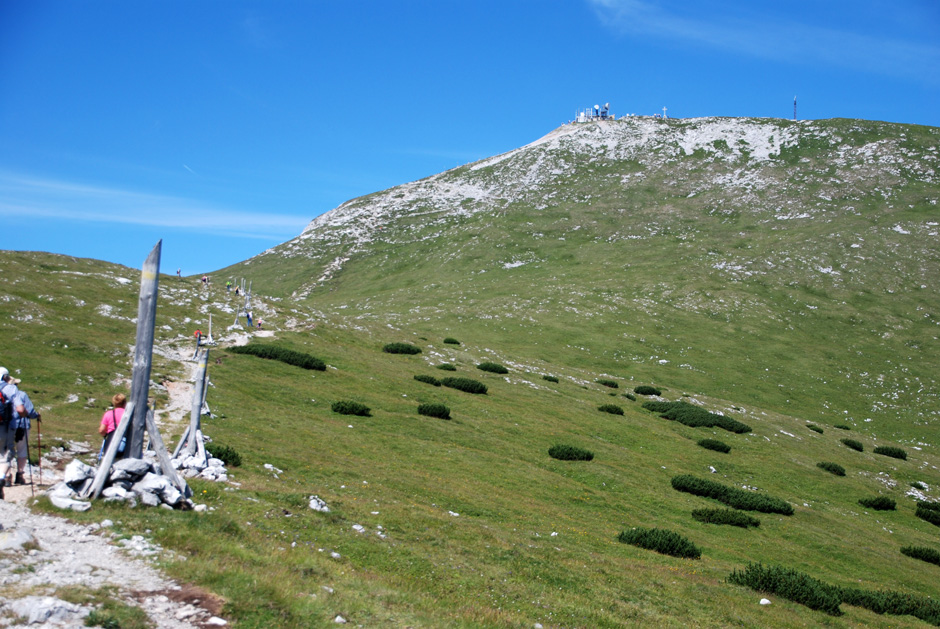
{"x": 14, "y": 433}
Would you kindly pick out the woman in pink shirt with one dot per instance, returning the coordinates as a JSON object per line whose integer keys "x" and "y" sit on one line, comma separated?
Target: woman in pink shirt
{"x": 111, "y": 419}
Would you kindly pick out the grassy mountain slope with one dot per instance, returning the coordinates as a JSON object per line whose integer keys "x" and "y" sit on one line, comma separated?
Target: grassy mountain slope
{"x": 780, "y": 263}
{"x": 467, "y": 507}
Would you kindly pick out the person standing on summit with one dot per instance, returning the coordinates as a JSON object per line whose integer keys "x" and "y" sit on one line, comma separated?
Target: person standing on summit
{"x": 14, "y": 432}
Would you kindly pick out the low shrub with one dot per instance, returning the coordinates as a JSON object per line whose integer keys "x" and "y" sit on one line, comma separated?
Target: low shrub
{"x": 919, "y": 485}
{"x": 731, "y": 496}
{"x": 852, "y": 443}
{"x": 401, "y": 348}
{"x": 923, "y": 553}
{"x": 347, "y": 407}
{"x": 894, "y": 603}
{"x": 662, "y": 541}
{"x": 434, "y": 410}
{"x": 428, "y": 379}
{"x": 226, "y": 454}
{"x": 815, "y": 594}
{"x": 280, "y": 354}
{"x": 608, "y": 383}
{"x": 550, "y": 378}
{"x": 451, "y": 341}
{"x": 613, "y": 409}
{"x": 570, "y": 453}
{"x": 930, "y": 506}
{"x": 815, "y": 428}
{"x": 465, "y": 384}
{"x": 789, "y": 584}
{"x": 892, "y": 451}
{"x": 842, "y": 427}
{"x": 492, "y": 367}
{"x": 695, "y": 417}
{"x": 834, "y": 468}
{"x": 927, "y": 514}
{"x": 725, "y": 516}
{"x": 645, "y": 389}
{"x": 879, "y": 503}
{"x": 630, "y": 397}
{"x": 714, "y": 444}
{"x": 447, "y": 367}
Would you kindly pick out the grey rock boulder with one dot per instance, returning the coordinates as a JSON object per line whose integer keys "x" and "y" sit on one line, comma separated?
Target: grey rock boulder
{"x": 76, "y": 472}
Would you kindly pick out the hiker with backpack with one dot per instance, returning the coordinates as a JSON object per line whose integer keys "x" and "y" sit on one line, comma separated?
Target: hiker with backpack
{"x": 110, "y": 421}
{"x": 16, "y": 411}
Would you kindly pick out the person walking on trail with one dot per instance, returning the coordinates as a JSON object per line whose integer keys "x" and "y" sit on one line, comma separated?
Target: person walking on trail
{"x": 15, "y": 431}
{"x": 110, "y": 421}
{"x": 228, "y": 286}
{"x": 178, "y": 274}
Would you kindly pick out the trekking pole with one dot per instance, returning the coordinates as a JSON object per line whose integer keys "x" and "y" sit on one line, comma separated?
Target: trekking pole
{"x": 39, "y": 444}
{"x": 32, "y": 488}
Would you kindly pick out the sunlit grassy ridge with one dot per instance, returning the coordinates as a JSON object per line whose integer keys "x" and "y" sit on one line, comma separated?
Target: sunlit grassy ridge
{"x": 479, "y": 525}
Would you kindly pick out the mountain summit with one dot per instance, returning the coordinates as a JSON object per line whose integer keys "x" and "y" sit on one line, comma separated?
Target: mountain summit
{"x": 791, "y": 261}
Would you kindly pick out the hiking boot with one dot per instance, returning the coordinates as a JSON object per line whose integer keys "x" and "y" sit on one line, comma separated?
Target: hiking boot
{"x": 19, "y": 480}
{"x": 1, "y": 491}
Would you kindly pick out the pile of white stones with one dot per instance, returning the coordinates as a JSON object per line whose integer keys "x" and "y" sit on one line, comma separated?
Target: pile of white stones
{"x": 136, "y": 481}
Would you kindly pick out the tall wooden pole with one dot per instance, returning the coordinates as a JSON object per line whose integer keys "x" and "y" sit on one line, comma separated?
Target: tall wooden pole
{"x": 198, "y": 388}
{"x": 143, "y": 352}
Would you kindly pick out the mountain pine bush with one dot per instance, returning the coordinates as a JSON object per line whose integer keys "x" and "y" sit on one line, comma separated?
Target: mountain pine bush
{"x": 447, "y": 367}
{"x": 630, "y": 397}
{"x": 789, "y": 584}
{"x": 852, "y": 443}
{"x": 833, "y": 468}
{"x": 725, "y": 516}
{"x": 492, "y": 367}
{"x": 714, "y": 444}
{"x": 731, "y": 496}
{"x": 608, "y": 383}
{"x": 695, "y": 417}
{"x": 815, "y": 428}
{"x": 428, "y": 379}
{"x": 280, "y": 354}
{"x": 645, "y": 389}
{"x": 801, "y": 588}
{"x": 570, "y": 453}
{"x": 919, "y": 485}
{"x": 465, "y": 384}
{"x": 434, "y": 410}
{"x": 401, "y": 348}
{"x": 550, "y": 378}
{"x": 879, "y": 503}
{"x": 662, "y": 541}
{"x": 927, "y": 513}
{"x": 451, "y": 341}
{"x": 892, "y": 451}
{"x": 842, "y": 427}
{"x": 613, "y": 409}
{"x": 923, "y": 553}
{"x": 347, "y": 407}
{"x": 226, "y": 454}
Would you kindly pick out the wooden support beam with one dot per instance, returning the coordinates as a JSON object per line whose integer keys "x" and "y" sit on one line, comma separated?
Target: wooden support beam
{"x": 165, "y": 466}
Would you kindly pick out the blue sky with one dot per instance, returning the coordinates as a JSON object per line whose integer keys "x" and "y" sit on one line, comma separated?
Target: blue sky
{"x": 223, "y": 127}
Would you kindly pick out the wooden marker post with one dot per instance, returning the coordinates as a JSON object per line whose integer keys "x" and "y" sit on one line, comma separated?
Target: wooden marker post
{"x": 194, "y": 417}
{"x": 143, "y": 353}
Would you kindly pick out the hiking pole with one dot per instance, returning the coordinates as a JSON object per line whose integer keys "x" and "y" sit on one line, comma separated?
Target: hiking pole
{"x": 32, "y": 488}
{"x": 39, "y": 445}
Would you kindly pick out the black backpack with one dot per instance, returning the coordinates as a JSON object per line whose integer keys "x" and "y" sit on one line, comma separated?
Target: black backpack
{"x": 6, "y": 408}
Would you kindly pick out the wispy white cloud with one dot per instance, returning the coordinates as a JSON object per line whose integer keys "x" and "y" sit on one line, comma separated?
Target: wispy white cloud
{"x": 719, "y": 26}
{"x": 40, "y": 198}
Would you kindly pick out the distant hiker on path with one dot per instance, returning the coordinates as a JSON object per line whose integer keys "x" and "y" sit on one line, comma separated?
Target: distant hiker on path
{"x": 228, "y": 286}
{"x": 14, "y": 428}
{"x": 110, "y": 421}
{"x": 236, "y": 291}
{"x": 205, "y": 281}
{"x": 178, "y": 276}
{"x": 248, "y": 316}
